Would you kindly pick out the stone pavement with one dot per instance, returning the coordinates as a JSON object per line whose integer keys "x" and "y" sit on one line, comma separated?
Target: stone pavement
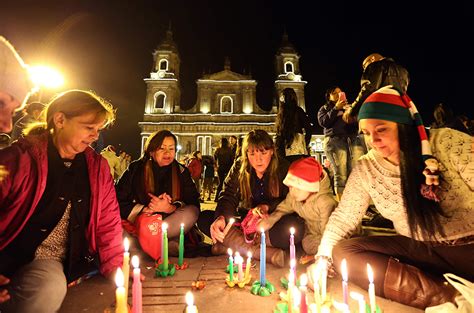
{"x": 168, "y": 294}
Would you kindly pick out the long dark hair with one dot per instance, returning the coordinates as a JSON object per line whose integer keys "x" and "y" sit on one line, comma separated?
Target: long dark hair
{"x": 260, "y": 140}
{"x": 286, "y": 123}
{"x": 423, "y": 214}
{"x": 153, "y": 142}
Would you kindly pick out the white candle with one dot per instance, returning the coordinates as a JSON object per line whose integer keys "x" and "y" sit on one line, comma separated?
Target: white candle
{"x": 340, "y": 307}
{"x": 190, "y": 308}
{"x": 316, "y": 275}
{"x": 324, "y": 277}
{"x": 345, "y": 288}
{"x": 126, "y": 263}
{"x": 360, "y": 300}
{"x": 239, "y": 261}
{"x": 136, "y": 287}
{"x": 228, "y": 226}
{"x": 370, "y": 274}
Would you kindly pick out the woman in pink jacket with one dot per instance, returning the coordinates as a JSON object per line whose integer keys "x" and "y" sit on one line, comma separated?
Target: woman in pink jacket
{"x": 59, "y": 216}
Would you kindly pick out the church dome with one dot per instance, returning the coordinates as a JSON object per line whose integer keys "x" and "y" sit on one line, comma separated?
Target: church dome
{"x": 286, "y": 46}
{"x": 168, "y": 43}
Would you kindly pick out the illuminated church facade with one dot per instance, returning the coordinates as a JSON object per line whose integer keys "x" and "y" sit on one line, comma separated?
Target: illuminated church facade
{"x": 226, "y": 101}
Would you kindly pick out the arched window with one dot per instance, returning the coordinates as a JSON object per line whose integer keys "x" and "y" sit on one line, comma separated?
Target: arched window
{"x": 289, "y": 67}
{"x": 227, "y": 104}
{"x": 163, "y": 65}
{"x": 160, "y": 100}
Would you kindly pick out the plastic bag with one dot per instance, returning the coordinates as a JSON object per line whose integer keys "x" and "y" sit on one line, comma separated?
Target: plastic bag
{"x": 148, "y": 231}
{"x": 464, "y": 302}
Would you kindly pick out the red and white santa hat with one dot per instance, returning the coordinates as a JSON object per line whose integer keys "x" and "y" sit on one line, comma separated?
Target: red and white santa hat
{"x": 304, "y": 174}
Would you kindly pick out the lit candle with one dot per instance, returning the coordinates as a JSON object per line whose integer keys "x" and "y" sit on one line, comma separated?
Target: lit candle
{"x": 316, "y": 280}
{"x": 136, "y": 287}
{"x": 370, "y": 273}
{"x": 239, "y": 261}
{"x": 181, "y": 245}
{"x": 164, "y": 228}
{"x": 345, "y": 288}
{"x": 248, "y": 265}
{"x": 303, "y": 290}
{"x": 228, "y": 226}
{"x": 263, "y": 251}
{"x": 190, "y": 308}
{"x": 289, "y": 293}
{"x": 126, "y": 263}
{"x": 120, "y": 295}
{"x": 231, "y": 265}
{"x": 292, "y": 244}
{"x": 360, "y": 300}
{"x": 324, "y": 277}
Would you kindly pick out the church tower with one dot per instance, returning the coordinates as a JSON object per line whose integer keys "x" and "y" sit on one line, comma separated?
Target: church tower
{"x": 288, "y": 71}
{"x": 163, "y": 90}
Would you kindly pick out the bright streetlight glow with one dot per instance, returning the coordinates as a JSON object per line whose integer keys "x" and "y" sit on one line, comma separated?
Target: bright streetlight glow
{"x": 44, "y": 76}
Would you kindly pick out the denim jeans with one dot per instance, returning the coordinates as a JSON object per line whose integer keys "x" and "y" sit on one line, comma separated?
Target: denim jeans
{"x": 343, "y": 152}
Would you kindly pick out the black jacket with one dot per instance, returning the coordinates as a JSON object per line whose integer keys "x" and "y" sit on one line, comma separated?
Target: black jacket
{"x": 131, "y": 187}
{"x": 377, "y": 75}
{"x": 230, "y": 197}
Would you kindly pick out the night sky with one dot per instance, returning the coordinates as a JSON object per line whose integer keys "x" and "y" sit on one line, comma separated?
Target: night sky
{"x": 107, "y": 46}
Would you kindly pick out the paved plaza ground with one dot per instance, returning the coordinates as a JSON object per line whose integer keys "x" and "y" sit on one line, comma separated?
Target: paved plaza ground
{"x": 168, "y": 294}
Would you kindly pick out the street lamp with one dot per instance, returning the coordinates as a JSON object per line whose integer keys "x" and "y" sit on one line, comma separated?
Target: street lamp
{"x": 45, "y": 77}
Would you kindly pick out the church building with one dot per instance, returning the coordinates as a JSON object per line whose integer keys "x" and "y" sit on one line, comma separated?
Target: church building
{"x": 226, "y": 101}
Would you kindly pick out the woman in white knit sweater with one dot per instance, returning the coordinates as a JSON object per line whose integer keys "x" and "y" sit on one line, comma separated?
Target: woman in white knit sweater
{"x": 434, "y": 223}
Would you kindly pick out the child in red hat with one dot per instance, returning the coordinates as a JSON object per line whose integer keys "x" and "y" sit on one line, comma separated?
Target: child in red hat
{"x": 310, "y": 197}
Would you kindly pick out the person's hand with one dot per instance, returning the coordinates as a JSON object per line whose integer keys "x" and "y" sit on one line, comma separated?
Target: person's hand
{"x": 217, "y": 229}
{"x": 340, "y": 104}
{"x": 4, "y": 296}
{"x": 263, "y": 209}
{"x": 161, "y": 203}
{"x": 323, "y": 265}
{"x": 3, "y": 172}
{"x": 348, "y": 118}
{"x": 263, "y": 224}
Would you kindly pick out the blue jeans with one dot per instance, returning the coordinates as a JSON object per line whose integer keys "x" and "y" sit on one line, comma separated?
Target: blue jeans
{"x": 38, "y": 287}
{"x": 343, "y": 152}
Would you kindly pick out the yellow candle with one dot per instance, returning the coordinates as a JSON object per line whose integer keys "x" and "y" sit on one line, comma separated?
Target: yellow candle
{"x": 370, "y": 274}
{"x": 120, "y": 296}
{"x": 360, "y": 300}
{"x": 190, "y": 308}
{"x": 126, "y": 264}
{"x": 248, "y": 265}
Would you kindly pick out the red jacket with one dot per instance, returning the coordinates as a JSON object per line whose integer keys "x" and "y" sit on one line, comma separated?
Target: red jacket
{"x": 27, "y": 164}
{"x": 195, "y": 168}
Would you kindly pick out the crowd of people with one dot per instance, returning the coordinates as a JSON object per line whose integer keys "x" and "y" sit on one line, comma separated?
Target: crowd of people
{"x": 62, "y": 205}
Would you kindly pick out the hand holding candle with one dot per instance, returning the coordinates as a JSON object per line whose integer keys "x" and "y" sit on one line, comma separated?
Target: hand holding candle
{"x": 120, "y": 296}
{"x": 136, "y": 287}
{"x": 370, "y": 274}
{"x": 228, "y": 226}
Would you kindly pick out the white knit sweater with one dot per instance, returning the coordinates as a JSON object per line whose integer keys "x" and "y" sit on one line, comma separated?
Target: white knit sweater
{"x": 375, "y": 178}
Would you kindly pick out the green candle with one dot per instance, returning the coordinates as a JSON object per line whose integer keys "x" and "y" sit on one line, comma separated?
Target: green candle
{"x": 181, "y": 245}
{"x": 231, "y": 265}
{"x": 165, "y": 246}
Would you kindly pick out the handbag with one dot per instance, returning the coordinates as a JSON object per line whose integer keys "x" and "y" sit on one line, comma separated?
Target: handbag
{"x": 464, "y": 302}
{"x": 249, "y": 224}
{"x": 147, "y": 228}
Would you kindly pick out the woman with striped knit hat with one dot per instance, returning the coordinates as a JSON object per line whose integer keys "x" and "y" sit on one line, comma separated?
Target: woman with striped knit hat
{"x": 425, "y": 187}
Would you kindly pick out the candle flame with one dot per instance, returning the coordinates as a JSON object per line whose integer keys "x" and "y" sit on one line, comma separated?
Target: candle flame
{"x": 344, "y": 270}
{"x": 164, "y": 226}
{"x": 370, "y": 273}
{"x": 249, "y": 254}
{"x": 135, "y": 261}
{"x": 229, "y": 252}
{"x": 126, "y": 244}
{"x": 189, "y": 298}
{"x": 182, "y": 225}
{"x": 292, "y": 230}
{"x": 303, "y": 280}
{"x": 262, "y": 230}
{"x": 119, "y": 280}
{"x": 231, "y": 221}
{"x": 356, "y": 296}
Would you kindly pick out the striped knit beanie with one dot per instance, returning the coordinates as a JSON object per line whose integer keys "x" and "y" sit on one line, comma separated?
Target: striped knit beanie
{"x": 390, "y": 105}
